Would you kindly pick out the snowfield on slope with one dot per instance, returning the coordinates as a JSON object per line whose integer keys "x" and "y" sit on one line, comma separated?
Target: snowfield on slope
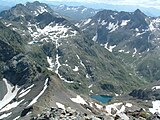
{"x": 50, "y": 31}
{"x": 79, "y": 100}
{"x": 40, "y": 94}
{"x": 59, "y": 105}
{"x": 11, "y": 93}
{"x": 156, "y": 107}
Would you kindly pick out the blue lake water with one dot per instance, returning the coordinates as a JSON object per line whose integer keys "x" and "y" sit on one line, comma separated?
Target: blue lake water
{"x": 102, "y": 98}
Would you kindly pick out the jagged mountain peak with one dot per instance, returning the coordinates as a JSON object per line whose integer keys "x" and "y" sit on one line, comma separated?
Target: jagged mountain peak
{"x": 20, "y": 5}
{"x": 122, "y": 14}
{"x": 37, "y": 3}
{"x": 138, "y": 11}
{"x": 41, "y": 7}
{"x": 105, "y": 14}
{"x": 29, "y": 9}
{"x": 139, "y": 14}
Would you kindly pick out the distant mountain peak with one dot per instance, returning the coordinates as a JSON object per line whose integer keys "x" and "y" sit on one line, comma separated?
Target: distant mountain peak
{"x": 104, "y": 14}
{"x": 139, "y": 12}
{"x": 29, "y": 9}
{"x": 35, "y": 2}
{"x": 18, "y": 6}
{"x": 75, "y": 12}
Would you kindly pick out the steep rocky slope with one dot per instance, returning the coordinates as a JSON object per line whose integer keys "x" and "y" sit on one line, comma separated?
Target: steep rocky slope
{"x": 19, "y": 74}
{"x": 133, "y": 37}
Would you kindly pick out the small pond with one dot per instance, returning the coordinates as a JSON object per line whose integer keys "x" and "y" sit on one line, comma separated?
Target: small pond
{"x": 102, "y": 98}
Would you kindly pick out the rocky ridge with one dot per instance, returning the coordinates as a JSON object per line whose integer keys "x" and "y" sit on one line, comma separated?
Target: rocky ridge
{"x": 132, "y": 36}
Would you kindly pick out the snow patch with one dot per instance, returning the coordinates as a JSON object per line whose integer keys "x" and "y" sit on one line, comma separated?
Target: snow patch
{"x": 85, "y": 9}
{"x": 154, "y": 24}
{"x": 90, "y": 86}
{"x": 87, "y": 76}
{"x": 110, "y": 48}
{"x": 26, "y": 89}
{"x": 103, "y": 22}
{"x": 87, "y": 21}
{"x": 112, "y": 106}
{"x": 99, "y": 21}
{"x": 10, "y": 106}
{"x": 39, "y": 95}
{"x": 72, "y": 8}
{"x": 138, "y": 34}
{"x": 36, "y": 13}
{"x": 151, "y": 26}
{"x": 95, "y": 37}
{"x": 81, "y": 61}
{"x": 112, "y": 16}
{"x": 98, "y": 106}
{"x": 120, "y": 112}
{"x": 11, "y": 93}
{"x": 124, "y": 22}
{"x": 25, "y": 93}
{"x": 112, "y": 27}
{"x": 127, "y": 52}
{"x": 50, "y": 31}
{"x": 51, "y": 64}
{"x": 93, "y": 24}
{"x": 136, "y": 29}
{"x": 75, "y": 69}
{"x": 5, "y": 115}
{"x": 78, "y": 100}
{"x": 78, "y": 25}
{"x": 16, "y": 118}
{"x": 156, "y": 107}
{"x": 70, "y": 82}
{"x": 116, "y": 94}
{"x": 59, "y": 105}
{"x": 57, "y": 63}
{"x": 128, "y": 105}
{"x": 8, "y": 25}
{"x": 122, "y": 109}
{"x": 41, "y": 10}
{"x": 33, "y": 42}
{"x": 155, "y": 87}
{"x": 91, "y": 91}
{"x": 120, "y": 51}
{"x": 135, "y": 51}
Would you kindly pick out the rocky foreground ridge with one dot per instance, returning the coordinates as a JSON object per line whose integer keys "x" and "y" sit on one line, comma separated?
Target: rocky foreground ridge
{"x": 101, "y": 114}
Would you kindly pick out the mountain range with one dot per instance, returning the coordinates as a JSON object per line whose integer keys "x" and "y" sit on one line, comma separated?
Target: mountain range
{"x": 47, "y": 60}
{"x": 75, "y": 12}
{"x": 133, "y": 35}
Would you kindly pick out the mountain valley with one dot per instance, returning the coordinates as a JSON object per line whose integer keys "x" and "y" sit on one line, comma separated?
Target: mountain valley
{"x": 50, "y": 65}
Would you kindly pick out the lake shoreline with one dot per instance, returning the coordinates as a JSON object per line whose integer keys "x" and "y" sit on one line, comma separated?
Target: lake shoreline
{"x": 103, "y": 99}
